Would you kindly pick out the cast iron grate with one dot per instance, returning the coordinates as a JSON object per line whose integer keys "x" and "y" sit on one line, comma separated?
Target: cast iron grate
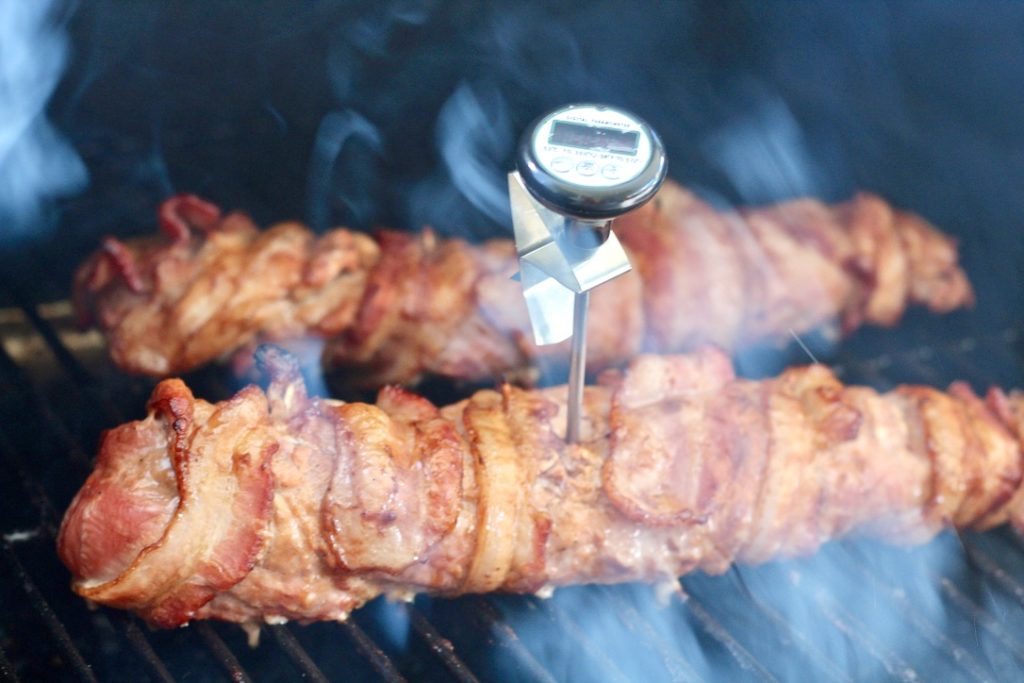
{"x": 954, "y": 619}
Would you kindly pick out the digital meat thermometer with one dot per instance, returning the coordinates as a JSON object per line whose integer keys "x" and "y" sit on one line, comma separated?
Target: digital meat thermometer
{"x": 578, "y": 168}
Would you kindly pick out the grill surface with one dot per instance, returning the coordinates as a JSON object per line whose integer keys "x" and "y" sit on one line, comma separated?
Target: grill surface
{"x": 754, "y": 104}
{"x": 951, "y": 609}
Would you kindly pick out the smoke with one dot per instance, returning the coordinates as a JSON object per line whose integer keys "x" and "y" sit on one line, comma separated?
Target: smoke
{"x": 467, "y": 195}
{"x": 854, "y": 611}
{"x": 335, "y": 130}
{"x": 764, "y": 154}
{"x": 393, "y": 622}
{"x": 36, "y": 164}
{"x": 369, "y": 37}
{"x": 591, "y": 633}
{"x": 475, "y": 138}
{"x": 793, "y": 102}
{"x": 371, "y": 33}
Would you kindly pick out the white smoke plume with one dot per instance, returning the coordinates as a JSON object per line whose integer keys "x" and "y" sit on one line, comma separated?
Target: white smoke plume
{"x": 474, "y": 135}
{"x": 336, "y": 129}
{"x": 36, "y": 163}
{"x": 765, "y": 155}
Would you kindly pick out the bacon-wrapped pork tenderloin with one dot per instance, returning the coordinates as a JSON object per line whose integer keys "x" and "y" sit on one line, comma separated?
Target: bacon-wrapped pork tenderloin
{"x": 400, "y": 305}
{"x": 273, "y": 505}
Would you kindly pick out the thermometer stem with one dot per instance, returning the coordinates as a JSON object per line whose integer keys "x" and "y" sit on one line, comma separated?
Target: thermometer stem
{"x": 577, "y": 365}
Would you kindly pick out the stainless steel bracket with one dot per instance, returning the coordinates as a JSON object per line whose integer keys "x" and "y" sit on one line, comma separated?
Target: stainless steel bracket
{"x": 552, "y": 268}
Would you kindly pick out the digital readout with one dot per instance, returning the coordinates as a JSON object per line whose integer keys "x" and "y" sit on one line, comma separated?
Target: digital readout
{"x": 591, "y": 137}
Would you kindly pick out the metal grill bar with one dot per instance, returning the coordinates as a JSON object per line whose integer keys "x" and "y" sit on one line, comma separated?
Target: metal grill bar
{"x": 48, "y": 514}
{"x": 66, "y": 359}
{"x": 378, "y": 659}
{"x": 225, "y": 657}
{"x": 60, "y": 634}
{"x": 507, "y": 639}
{"x": 861, "y": 635}
{"x": 48, "y": 526}
{"x": 819, "y": 592}
{"x": 930, "y": 632}
{"x": 42, "y": 326}
{"x": 980, "y": 616}
{"x": 37, "y": 496}
{"x": 139, "y": 643}
{"x": 715, "y": 629}
{"x": 440, "y": 645}
{"x": 858, "y": 633}
{"x": 39, "y": 402}
{"x": 981, "y": 560}
{"x": 825, "y": 665}
{"x": 297, "y": 653}
{"x": 678, "y": 668}
{"x": 822, "y": 600}
{"x": 557, "y": 616}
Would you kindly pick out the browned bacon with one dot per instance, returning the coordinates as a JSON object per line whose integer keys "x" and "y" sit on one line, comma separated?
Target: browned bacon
{"x": 274, "y": 505}
{"x": 401, "y": 305}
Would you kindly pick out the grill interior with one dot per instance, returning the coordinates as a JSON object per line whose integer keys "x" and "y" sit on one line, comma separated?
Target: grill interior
{"x": 915, "y": 102}
{"x": 952, "y": 609}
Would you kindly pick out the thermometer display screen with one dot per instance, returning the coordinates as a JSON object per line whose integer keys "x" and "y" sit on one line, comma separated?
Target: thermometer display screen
{"x": 592, "y": 137}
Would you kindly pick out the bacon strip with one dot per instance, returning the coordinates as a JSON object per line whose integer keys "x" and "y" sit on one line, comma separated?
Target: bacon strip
{"x": 274, "y": 505}
{"x": 401, "y": 305}
{"x": 179, "y": 214}
{"x": 501, "y": 492}
{"x": 224, "y": 492}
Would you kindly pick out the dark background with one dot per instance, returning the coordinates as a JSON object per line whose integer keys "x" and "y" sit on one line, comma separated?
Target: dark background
{"x": 405, "y": 112}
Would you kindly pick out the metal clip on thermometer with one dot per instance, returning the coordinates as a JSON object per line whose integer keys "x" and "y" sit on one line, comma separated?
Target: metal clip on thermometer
{"x": 579, "y": 167}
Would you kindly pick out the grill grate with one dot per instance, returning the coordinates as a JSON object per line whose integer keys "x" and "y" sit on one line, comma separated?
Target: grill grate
{"x": 745, "y": 660}
{"x": 57, "y": 392}
{"x": 982, "y": 618}
{"x": 923, "y": 625}
{"x": 441, "y": 647}
{"x": 297, "y": 654}
{"x": 381, "y": 663}
{"x": 225, "y": 657}
{"x": 53, "y": 625}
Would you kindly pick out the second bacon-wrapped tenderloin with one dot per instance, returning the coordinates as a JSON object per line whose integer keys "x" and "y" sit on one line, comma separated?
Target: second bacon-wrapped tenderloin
{"x": 401, "y": 305}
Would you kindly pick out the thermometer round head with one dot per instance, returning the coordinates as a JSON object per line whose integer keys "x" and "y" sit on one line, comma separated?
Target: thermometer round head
{"x": 591, "y": 162}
